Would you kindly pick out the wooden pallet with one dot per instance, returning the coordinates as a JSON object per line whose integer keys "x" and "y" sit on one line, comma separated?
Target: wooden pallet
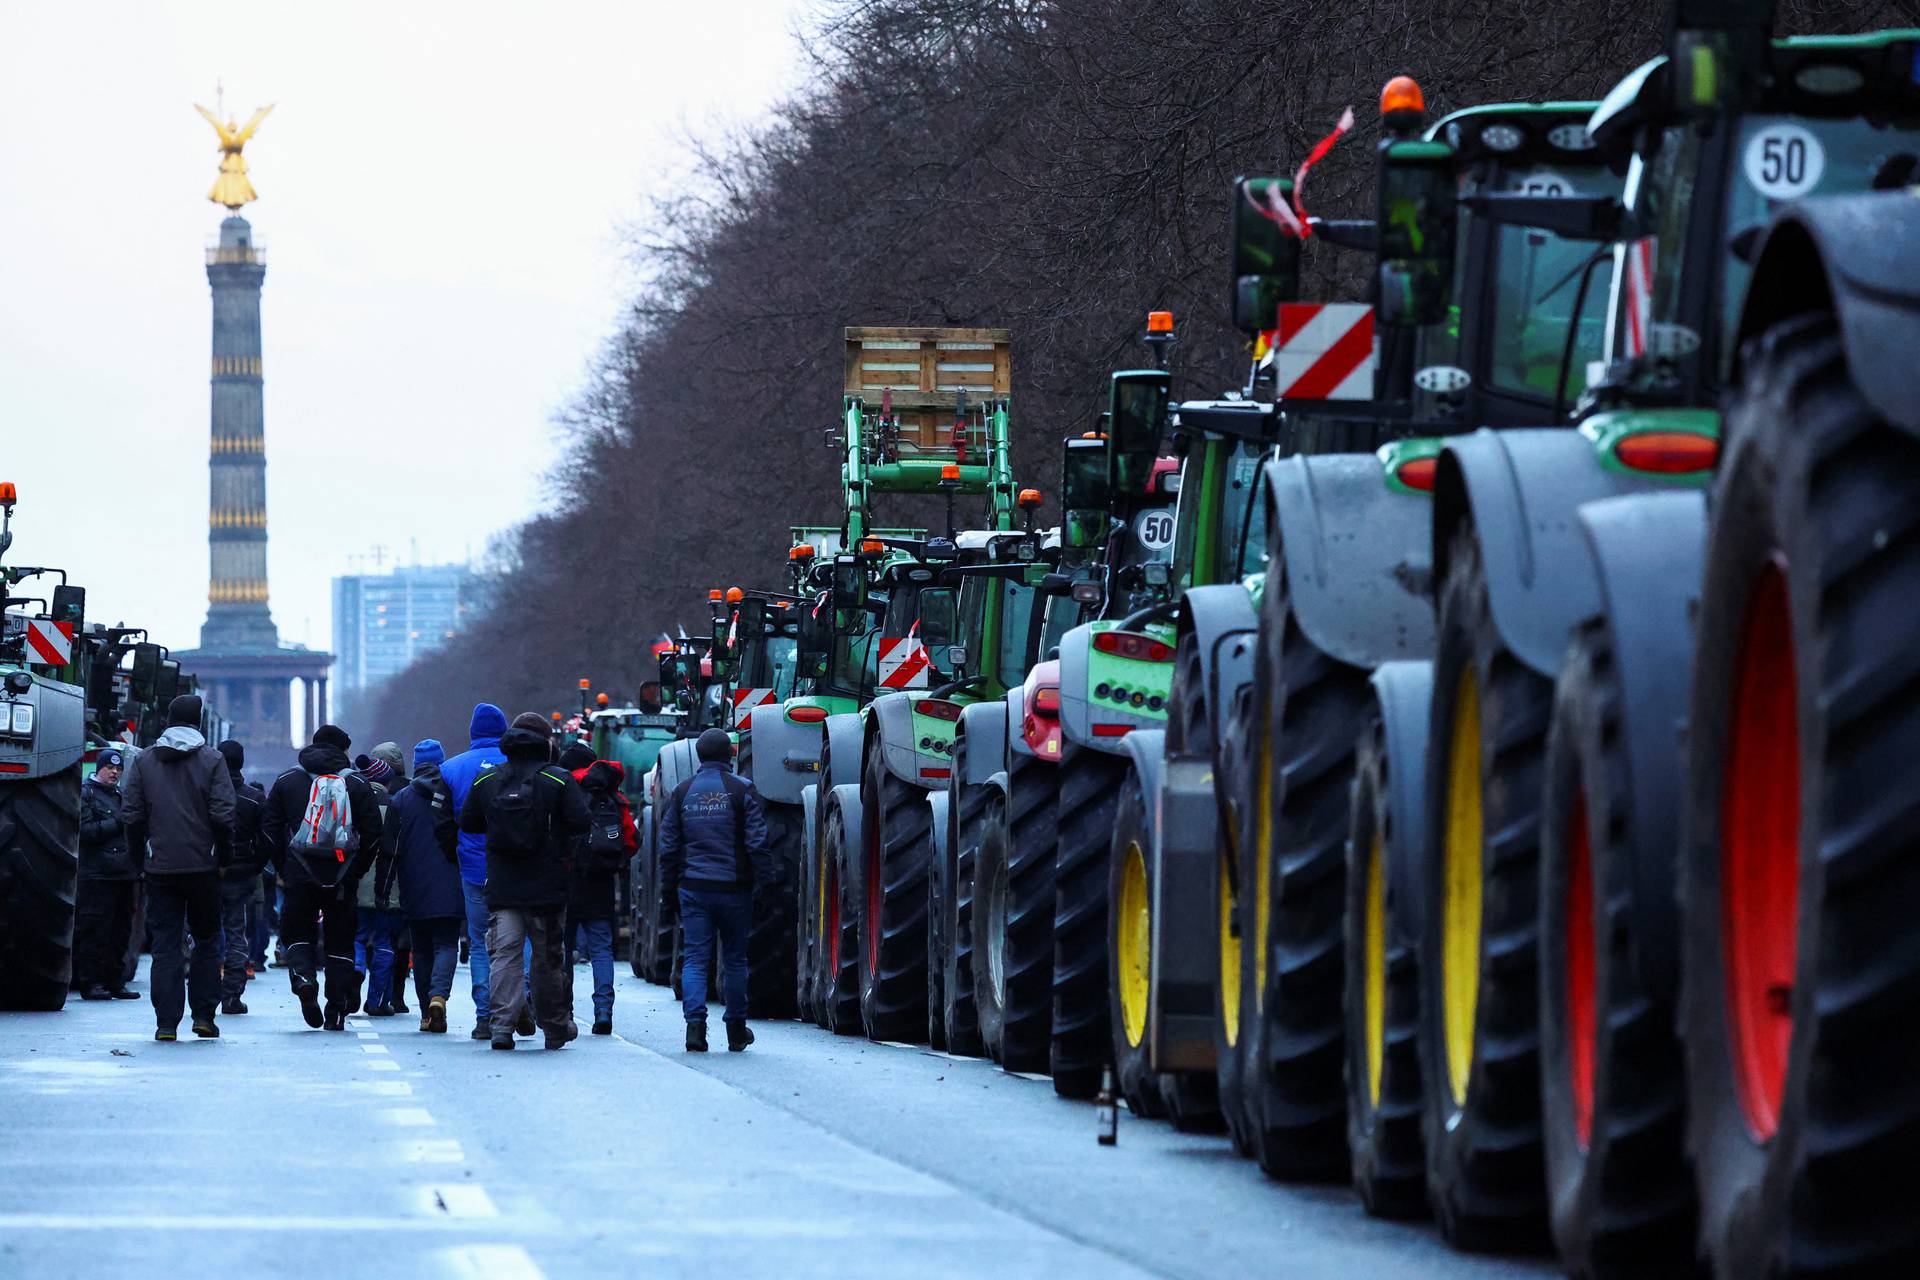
{"x": 922, "y": 371}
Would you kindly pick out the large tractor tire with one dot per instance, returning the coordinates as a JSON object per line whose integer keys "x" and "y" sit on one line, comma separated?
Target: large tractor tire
{"x": 1089, "y": 787}
{"x": 1479, "y": 1006}
{"x": 838, "y": 982}
{"x": 1613, "y": 1090}
{"x": 1311, "y": 711}
{"x": 956, "y": 1010}
{"x": 39, "y": 865}
{"x": 1800, "y": 884}
{"x": 770, "y": 948}
{"x": 1013, "y": 921}
{"x": 1387, "y": 1157}
{"x": 806, "y": 894}
{"x": 893, "y": 916}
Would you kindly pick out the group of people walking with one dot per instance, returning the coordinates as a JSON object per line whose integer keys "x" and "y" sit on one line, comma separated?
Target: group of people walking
{"x": 515, "y": 843}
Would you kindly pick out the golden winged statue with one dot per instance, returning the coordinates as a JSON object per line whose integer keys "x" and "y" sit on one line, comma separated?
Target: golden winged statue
{"x": 231, "y": 188}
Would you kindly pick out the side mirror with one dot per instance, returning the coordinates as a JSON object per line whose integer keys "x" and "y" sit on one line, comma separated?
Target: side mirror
{"x": 849, "y": 589}
{"x": 1266, "y": 256}
{"x": 168, "y": 687}
{"x": 1717, "y": 52}
{"x": 1138, "y": 408}
{"x": 70, "y": 605}
{"x": 1591, "y": 219}
{"x": 145, "y": 677}
{"x": 938, "y": 618}
{"x": 1085, "y": 493}
{"x": 1416, "y": 229}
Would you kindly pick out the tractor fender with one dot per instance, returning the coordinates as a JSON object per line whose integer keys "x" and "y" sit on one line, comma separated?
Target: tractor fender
{"x": 1651, "y": 552}
{"x": 891, "y": 719}
{"x": 1000, "y": 780}
{"x": 1223, "y": 623}
{"x": 1522, "y": 490}
{"x": 1403, "y": 693}
{"x": 846, "y": 798}
{"x": 1180, "y": 874}
{"x": 938, "y": 802}
{"x": 809, "y": 814}
{"x": 846, "y": 739}
{"x": 1358, "y": 557}
{"x": 786, "y": 755}
{"x": 983, "y": 730}
{"x": 1855, "y": 255}
{"x": 1016, "y": 740}
{"x": 676, "y": 764}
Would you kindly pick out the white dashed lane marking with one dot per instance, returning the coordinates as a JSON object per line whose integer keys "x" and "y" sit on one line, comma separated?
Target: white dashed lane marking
{"x": 492, "y": 1262}
{"x": 413, "y": 1117}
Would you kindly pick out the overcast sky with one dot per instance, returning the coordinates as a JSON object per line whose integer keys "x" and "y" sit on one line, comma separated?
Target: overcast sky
{"x": 442, "y": 190}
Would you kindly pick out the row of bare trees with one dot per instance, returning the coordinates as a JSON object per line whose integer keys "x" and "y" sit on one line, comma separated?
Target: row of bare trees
{"x": 1058, "y": 167}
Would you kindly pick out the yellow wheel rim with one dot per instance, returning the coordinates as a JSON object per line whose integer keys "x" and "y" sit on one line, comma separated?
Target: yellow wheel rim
{"x": 1229, "y": 960}
{"x": 1262, "y": 866}
{"x": 1460, "y": 909}
{"x": 1376, "y": 970}
{"x": 1135, "y": 937}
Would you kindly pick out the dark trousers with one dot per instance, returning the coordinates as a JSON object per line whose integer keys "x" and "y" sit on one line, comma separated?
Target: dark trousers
{"x": 307, "y": 912}
{"x": 260, "y": 921}
{"x": 236, "y": 899}
{"x": 179, "y": 905}
{"x": 436, "y": 947}
{"x": 101, "y": 926}
{"x": 702, "y": 915}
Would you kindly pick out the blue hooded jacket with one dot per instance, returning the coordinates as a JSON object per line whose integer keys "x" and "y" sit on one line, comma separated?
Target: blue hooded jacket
{"x": 460, "y": 773}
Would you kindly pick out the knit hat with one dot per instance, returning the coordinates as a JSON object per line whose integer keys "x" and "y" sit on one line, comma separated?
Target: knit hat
{"x": 390, "y": 754}
{"x": 374, "y": 769}
{"x": 331, "y": 735}
{"x": 184, "y": 710}
{"x": 427, "y": 751}
{"x": 234, "y": 753}
{"x": 109, "y": 759}
{"x": 488, "y": 721}
{"x": 532, "y": 721}
{"x": 714, "y": 745}
{"x": 578, "y": 755}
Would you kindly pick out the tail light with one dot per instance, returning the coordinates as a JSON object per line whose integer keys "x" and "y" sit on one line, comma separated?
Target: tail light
{"x": 1129, "y": 644}
{"x": 938, "y": 708}
{"x": 1112, "y": 730}
{"x": 1046, "y": 700}
{"x": 1418, "y": 473}
{"x": 806, "y": 715}
{"x": 1667, "y": 453}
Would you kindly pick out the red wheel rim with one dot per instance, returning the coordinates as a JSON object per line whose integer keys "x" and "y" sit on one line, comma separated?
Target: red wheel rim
{"x": 1582, "y": 1028}
{"x": 874, "y": 896}
{"x": 1760, "y": 854}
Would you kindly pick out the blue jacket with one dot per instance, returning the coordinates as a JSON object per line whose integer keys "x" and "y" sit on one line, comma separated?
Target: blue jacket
{"x": 421, "y": 822}
{"x": 713, "y": 835}
{"x": 482, "y": 753}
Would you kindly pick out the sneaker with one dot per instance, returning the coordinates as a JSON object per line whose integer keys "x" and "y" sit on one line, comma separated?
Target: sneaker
{"x": 309, "y": 1005}
{"x": 205, "y": 1029}
{"x": 525, "y": 1026}
{"x": 233, "y": 1004}
{"x": 435, "y": 1018}
{"x": 483, "y": 1031}
{"x": 603, "y": 1027}
{"x": 502, "y": 1042}
{"x": 696, "y": 1037}
{"x": 380, "y": 1011}
{"x": 739, "y": 1036}
{"x": 336, "y": 1018}
{"x": 249, "y": 973}
{"x": 121, "y": 993}
{"x": 98, "y": 991}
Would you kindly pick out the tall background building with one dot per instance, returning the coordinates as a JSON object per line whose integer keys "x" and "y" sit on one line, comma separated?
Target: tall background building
{"x": 383, "y": 621}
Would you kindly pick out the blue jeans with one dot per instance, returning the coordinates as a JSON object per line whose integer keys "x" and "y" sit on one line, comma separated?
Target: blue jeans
{"x": 596, "y": 939}
{"x": 703, "y": 914}
{"x": 373, "y": 954}
{"x": 436, "y": 954}
{"x": 477, "y": 967}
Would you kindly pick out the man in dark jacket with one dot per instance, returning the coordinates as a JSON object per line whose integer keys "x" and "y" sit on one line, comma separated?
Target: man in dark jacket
{"x": 109, "y": 881}
{"x": 301, "y": 820}
{"x": 530, "y": 813}
{"x": 713, "y": 849}
{"x": 459, "y": 774}
{"x": 240, "y": 881}
{"x": 610, "y": 842}
{"x": 179, "y": 808}
{"x": 422, "y": 828}
{"x": 374, "y": 921}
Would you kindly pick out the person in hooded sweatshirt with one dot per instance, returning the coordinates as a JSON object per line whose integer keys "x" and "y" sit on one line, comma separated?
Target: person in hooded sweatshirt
{"x": 423, "y": 828}
{"x": 240, "y": 882}
{"x": 374, "y": 922}
{"x": 109, "y": 883}
{"x": 610, "y": 842}
{"x": 178, "y": 806}
{"x": 531, "y": 813}
{"x": 389, "y": 754}
{"x": 459, "y": 774}
{"x": 321, "y": 884}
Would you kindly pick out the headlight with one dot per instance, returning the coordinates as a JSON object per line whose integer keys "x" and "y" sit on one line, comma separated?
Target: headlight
{"x": 21, "y": 720}
{"x": 1502, "y": 137}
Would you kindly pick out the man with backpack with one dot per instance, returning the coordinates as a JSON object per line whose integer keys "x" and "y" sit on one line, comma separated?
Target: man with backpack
{"x": 530, "y": 813}
{"x": 322, "y": 828}
{"x": 713, "y": 849}
{"x": 179, "y": 809}
{"x": 239, "y": 882}
{"x": 610, "y": 842}
{"x": 459, "y": 773}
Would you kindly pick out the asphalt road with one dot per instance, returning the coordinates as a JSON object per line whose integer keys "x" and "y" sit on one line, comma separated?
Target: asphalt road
{"x": 280, "y": 1151}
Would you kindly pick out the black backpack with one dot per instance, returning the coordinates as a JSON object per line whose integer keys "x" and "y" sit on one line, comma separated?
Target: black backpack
{"x": 518, "y": 813}
{"x": 606, "y": 838}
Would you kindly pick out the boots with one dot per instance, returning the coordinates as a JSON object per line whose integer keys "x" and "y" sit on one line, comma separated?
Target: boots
{"x": 435, "y": 1017}
{"x": 232, "y": 1004}
{"x": 309, "y": 1003}
{"x": 336, "y": 1018}
{"x": 205, "y": 1029}
{"x": 526, "y": 1026}
{"x": 697, "y": 1036}
{"x": 739, "y": 1035}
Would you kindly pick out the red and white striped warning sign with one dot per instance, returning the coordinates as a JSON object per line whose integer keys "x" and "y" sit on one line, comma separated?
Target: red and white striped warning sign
{"x": 903, "y": 663}
{"x": 51, "y": 642}
{"x": 744, "y": 701}
{"x": 1324, "y": 351}
{"x": 1639, "y": 306}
